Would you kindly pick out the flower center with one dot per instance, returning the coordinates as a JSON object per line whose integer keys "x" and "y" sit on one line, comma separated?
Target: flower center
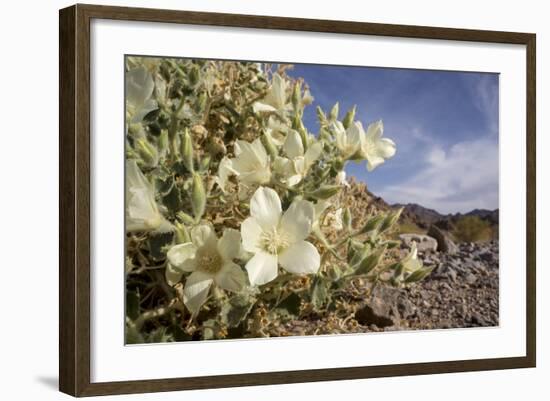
{"x": 274, "y": 241}
{"x": 209, "y": 262}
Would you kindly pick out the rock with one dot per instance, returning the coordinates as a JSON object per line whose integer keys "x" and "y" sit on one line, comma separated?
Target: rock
{"x": 471, "y": 278}
{"x": 460, "y": 310}
{"x": 478, "y": 320}
{"x": 374, "y": 314}
{"x": 444, "y": 243}
{"x": 487, "y": 256}
{"x": 423, "y": 242}
{"x": 405, "y": 307}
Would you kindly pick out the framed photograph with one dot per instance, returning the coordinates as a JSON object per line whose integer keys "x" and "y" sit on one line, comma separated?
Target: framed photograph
{"x": 250, "y": 200}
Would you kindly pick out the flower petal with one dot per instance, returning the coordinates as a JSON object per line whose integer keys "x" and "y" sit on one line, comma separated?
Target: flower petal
{"x": 196, "y": 290}
{"x": 250, "y": 232}
{"x": 139, "y": 85}
{"x": 373, "y": 162}
{"x": 312, "y": 154}
{"x": 293, "y": 145}
{"x": 262, "y": 268}
{"x": 265, "y": 207}
{"x": 355, "y": 134}
{"x": 260, "y": 107}
{"x": 225, "y": 170}
{"x": 172, "y": 275}
{"x": 385, "y": 148}
{"x": 277, "y": 93}
{"x": 204, "y": 235}
{"x": 297, "y": 220}
{"x": 229, "y": 245}
{"x": 375, "y": 130}
{"x": 231, "y": 277}
{"x": 181, "y": 257}
{"x": 300, "y": 258}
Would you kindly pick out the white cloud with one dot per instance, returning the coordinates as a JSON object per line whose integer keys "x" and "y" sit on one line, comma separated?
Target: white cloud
{"x": 459, "y": 180}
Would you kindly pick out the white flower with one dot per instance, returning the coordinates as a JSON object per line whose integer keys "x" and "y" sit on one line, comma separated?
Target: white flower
{"x": 347, "y": 141}
{"x": 275, "y": 238}
{"x": 341, "y": 179}
{"x": 294, "y": 168}
{"x": 354, "y": 143}
{"x": 374, "y": 148}
{"x": 142, "y": 211}
{"x": 411, "y": 263}
{"x": 139, "y": 91}
{"x": 276, "y": 97}
{"x": 225, "y": 170}
{"x": 252, "y": 164}
{"x": 210, "y": 260}
{"x": 276, "y": 131}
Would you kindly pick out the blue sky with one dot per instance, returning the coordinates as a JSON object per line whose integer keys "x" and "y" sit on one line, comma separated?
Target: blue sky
{"x": 445, "y": 125}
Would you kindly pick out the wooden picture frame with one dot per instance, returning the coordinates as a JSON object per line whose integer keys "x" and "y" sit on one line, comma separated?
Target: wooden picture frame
{"x": 75, "y": 206}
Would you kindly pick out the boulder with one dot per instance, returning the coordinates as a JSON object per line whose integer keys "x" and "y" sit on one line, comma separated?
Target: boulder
{"x": 444, "y": 243}
{"x": 423, "y": 242}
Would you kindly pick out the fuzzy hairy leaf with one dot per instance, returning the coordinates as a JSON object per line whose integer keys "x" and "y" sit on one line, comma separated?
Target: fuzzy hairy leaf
{"x": 236, "y": 309}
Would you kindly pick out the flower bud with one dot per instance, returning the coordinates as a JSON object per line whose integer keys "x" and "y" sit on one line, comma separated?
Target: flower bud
{"x": 334, "y": 112}
{"x": 204, "y": 162}
{"x": 325, "y": 192}
{"x": 321, "y": 116}
{"x": 194, "y": 75}
{"x": 147, "y": 152}
{"x": 347, "y": 219}
{"x": 184, "y": 218}
{"x": 198, "y": 197}
{"x": 182, "y": 234}
{"x": 163, "y": 142}
{"x": 349, "y": 117}
{"x": 187, "y": 150}
{"x": 200, "y": 105}
{"x": 269, "y": 146}
{"x": 296, "y": 95}
{"x": 307, "y": 99}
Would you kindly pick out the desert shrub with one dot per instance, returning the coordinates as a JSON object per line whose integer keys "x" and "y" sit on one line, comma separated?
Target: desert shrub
{"x": 472, "y": 229}
{"x": 235, "y": 214}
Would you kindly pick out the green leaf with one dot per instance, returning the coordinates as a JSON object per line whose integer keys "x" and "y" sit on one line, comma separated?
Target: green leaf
{"x": 373, "y": 223}
{"x": 237, "y": 309}
{"x": 418, "y": 275}
{"x": 320, "y": 292}
{"x": 173, "y": 200}
{"x": 325, "y": 192}
{"x": 390, "y": 220}
{"x": 370, "y": 262}
{"x": 164, "y": 185}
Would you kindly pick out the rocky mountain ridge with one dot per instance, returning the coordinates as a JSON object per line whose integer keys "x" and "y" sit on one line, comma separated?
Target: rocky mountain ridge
{"x": 423, "y": 216}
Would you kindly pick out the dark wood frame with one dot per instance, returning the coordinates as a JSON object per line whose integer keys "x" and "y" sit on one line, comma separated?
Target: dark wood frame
{"x": 74, "y": 199}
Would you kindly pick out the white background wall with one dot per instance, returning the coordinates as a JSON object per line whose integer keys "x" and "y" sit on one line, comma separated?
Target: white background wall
{"x": 28, "y": 217}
